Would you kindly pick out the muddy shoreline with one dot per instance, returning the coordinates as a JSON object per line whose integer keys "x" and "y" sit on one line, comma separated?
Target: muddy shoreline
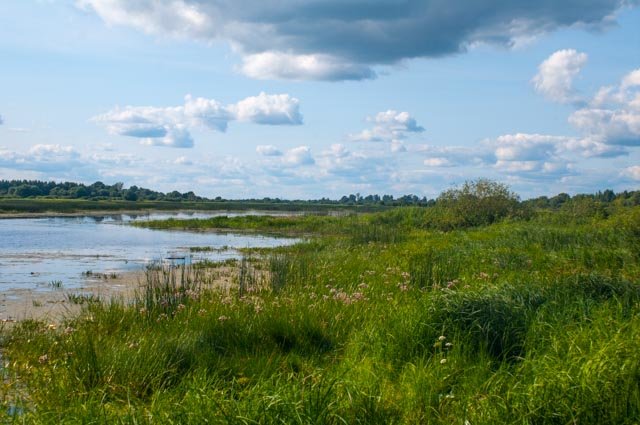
{"x": 55, "y": 304}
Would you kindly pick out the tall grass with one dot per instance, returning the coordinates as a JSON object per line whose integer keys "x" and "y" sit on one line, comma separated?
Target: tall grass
{"x": 520, "y": 322}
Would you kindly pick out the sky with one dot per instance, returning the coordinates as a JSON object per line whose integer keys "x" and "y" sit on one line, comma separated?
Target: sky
{"x": 304, "y": 99}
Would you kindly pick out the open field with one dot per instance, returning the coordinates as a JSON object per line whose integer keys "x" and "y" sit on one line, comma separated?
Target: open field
{"x": 404, "y": 316}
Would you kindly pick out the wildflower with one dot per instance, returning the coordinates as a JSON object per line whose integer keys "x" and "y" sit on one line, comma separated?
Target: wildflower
{"x": 143, "y": 310}
{"x": 181, "y": 307}
{"x": 443, "y": 361}
{"x": 69, "y": 330}
{"x": 202, "y": 312}
{"x": 363, "y": 286}
{"x": 442, "y": 338}
{"x": 448, "y": 345}
{"x": 223, "y": 318}
{"x": 133, "y": 345}
{"x": 43, "y": 359}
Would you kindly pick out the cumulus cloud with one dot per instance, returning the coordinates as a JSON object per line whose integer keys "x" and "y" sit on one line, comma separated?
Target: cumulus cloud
{"x": 169, "y": 126}
{"x": 278, "y": 65}
{"x": 278, "y": 109}
{"x": 632, "y": 172}
{"x": 298, "y": 156}
{"x": 268, "y": 150}
{"x": 388, "y": 126}
{"x": 613, "y": 115}
{"x": 547, "y": 155}
{"x": 336, "y": 40}
{"x": 555, "y": 75}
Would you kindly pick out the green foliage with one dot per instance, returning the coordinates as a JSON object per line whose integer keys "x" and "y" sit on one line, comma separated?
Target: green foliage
{"x": 479, "y": 202}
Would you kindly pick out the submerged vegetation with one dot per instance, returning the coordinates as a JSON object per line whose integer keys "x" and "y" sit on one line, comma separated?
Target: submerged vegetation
{"x": 478, "y": 310}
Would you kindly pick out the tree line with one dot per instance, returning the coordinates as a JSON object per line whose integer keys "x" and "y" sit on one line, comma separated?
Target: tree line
{"x": 481, "y": 190}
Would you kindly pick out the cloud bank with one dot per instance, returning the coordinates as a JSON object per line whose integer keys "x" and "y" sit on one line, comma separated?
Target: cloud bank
{"x": 169, "y": 126}
{"x": 346, "y": 39}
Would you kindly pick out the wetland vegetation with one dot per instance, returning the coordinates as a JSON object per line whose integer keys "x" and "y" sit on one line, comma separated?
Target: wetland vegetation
{"x": 479, "y": 309}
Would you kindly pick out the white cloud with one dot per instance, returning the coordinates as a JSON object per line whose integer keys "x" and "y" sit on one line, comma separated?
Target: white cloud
{"x": 556, "y": 74}
{"x": 285, "y": 66}
{"x": 298, "y": 156}
{"x": 632, "y": 172}
{"x": 613, "y": 116}
{"x": 398, "y": 146}
{"x": 43, "y": 158}
{"x": 526, "y": 147}
{"x": 453, "y": 156}
{"x": 279, "y": 109}
{"x": 388, "y": 126}
{"x": 175, "y": 17}
{"x": 438, "y": 162}
{"x": 632, "y": 79}
{"x": 356, "y": 166}
{"x": 182, "y": 160}
{"x": 176, "y": 137}
{"x": 546, "y": 155}
{"x": 169, "y": 126}
{"x": 207, "y": 113}
{"x": 268, "y": 150}
{"x": 1, "y": 120}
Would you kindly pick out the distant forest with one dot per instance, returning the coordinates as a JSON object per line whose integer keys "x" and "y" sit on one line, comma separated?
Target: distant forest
{"x": 100, "y": 191}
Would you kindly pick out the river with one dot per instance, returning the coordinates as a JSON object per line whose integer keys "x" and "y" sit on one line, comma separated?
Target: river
{"x": 42, "y": 253}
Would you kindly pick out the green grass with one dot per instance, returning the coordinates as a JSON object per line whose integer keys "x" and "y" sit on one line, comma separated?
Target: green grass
{"x": 381, "y": 318}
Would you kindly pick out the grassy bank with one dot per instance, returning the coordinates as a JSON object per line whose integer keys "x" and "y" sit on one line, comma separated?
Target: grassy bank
{"x": 404, "y": 316}
{"x": 47, "y": 205}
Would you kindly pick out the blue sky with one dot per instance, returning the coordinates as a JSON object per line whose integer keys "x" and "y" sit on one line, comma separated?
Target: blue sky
{"x": 305, "y": 99}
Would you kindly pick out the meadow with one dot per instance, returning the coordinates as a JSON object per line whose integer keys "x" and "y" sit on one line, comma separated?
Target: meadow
{"x": 481, "y": 313}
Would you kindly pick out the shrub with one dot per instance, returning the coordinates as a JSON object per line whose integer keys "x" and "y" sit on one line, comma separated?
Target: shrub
{"x": 479, "y": 202}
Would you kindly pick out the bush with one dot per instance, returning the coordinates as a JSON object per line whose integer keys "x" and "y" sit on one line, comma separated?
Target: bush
{"x": 479, "y": 202}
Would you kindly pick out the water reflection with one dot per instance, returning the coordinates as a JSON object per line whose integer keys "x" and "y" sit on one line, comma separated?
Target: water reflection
{"x": 37, "y": 251}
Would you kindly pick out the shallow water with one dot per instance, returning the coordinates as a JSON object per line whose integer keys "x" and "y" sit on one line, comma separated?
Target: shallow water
{"x": 34, "y": 252}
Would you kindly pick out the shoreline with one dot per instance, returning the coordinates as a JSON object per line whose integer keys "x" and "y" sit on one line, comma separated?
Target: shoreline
{"x": 23, "y": 304}
{"x": 101, "y": 213}
{"x": 17, "y": 305}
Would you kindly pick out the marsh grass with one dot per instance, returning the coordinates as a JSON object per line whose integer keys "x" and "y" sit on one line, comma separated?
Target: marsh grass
{"x": 533, "y": 321}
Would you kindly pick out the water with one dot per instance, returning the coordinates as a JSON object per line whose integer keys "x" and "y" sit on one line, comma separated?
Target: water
{"x": 34, "y": 252}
